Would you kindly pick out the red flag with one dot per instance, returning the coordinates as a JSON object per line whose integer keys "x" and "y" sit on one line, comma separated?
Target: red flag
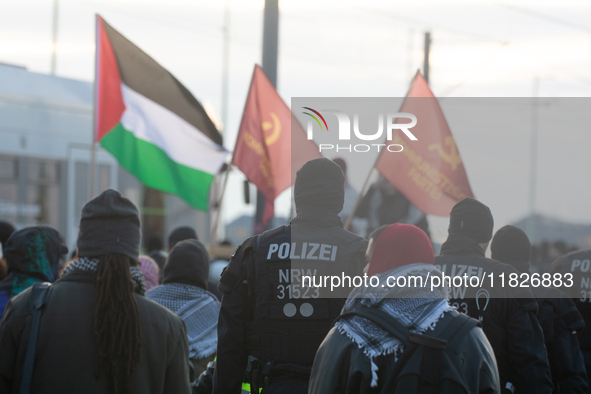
{"x": 265, "y": 142}
{"x": 429, "y": 171}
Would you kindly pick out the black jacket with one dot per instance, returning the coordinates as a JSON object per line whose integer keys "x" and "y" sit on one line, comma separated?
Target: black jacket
{"x": 341, "y": 367}
{"x": 508, "y": 315}
{"x": 67, "y": 357}
{"x": 239, "y": 331}
{"x": 575, "y": 272}
{"x": 560, "y": 321}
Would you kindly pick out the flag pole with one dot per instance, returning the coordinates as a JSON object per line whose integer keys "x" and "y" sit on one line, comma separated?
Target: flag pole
{"x": 214, "y": 231}
{"x": 94, "y": 106}
{"x": 360, "y": 196}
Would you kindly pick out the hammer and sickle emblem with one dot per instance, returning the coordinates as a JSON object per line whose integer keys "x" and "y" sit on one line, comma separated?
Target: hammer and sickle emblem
{"x": 270, "y": 139}
{"x": 452, "y": 158}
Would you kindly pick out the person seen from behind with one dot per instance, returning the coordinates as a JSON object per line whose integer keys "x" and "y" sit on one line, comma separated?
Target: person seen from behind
{"x": 150, "y": 270}
{"x": 180, "y": 234}
{"x": 558, "y": 315}
{"x": 98, "y": 332}
{"x": 32, "y": 255}
{"x": 264, "y": 329}
{"x": 508, "y": 314}
{"x": 360, "y": 355}
{"x": 184, "y": 292}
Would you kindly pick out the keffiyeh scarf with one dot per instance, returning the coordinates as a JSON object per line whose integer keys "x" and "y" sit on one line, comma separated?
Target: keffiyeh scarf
{"x": 198, "y": 308}
{"x": 86, "y": 264}
{"x": 418, "y": 308}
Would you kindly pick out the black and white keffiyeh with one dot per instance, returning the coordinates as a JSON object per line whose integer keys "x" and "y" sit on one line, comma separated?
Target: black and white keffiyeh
{"x": 86, "y": 264}
{"x": 418, "y": 308}
{"x": 198, "y": 308}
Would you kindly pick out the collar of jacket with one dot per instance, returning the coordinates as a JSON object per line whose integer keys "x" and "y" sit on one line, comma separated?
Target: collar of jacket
{"x": 81, "y": 276}
{"x": 78, "y": 276}
{"x": 461, "y": 244}
{"x": 317, "y": 216}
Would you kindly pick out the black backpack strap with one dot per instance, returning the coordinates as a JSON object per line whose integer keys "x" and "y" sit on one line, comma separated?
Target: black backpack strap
{"x": 39, "y": 298}
{"x": 456, "y": 330}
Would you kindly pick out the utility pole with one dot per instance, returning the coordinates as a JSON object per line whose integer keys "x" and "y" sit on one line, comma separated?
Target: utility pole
{"x": 410, "y": 65}
{"x": 533, "y": 166}
{"x": 225, "y": 88}
{"x": 54, "y": 37}
{"x": 271, "y": 39}
{"x": 270, "y": 45}
{"x": 426, "y": 60}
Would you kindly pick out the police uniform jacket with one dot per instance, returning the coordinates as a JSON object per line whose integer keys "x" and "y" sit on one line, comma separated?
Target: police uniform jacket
{"x": 508, "y": 315}
{"x": 267, "y": 310}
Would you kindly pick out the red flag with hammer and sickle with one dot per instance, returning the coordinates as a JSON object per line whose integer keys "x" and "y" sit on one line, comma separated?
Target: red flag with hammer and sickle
{"x": 429, "y": 171}
{"x": 268, "y": 151}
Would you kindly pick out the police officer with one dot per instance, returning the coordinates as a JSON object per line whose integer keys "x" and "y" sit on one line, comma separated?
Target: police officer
{"x": 558, "y": 315}
{"x": 271, "y": 321}
{"x": 571, "y": 273}
{"x": 508, "y": 314}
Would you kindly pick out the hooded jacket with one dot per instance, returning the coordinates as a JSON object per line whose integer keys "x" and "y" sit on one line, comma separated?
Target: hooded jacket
{"x": 508, "y": 316}
{"x": 32, "y": 255}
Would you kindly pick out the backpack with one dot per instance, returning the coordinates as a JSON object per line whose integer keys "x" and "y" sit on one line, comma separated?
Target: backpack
{"x": 428, "y": 364}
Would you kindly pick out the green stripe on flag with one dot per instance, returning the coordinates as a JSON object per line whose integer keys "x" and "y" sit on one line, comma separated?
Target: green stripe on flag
{"x": 152, "y": 166}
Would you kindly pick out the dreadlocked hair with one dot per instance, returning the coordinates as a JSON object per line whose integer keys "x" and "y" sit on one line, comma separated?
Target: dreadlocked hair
{"x": 117, "y": 322}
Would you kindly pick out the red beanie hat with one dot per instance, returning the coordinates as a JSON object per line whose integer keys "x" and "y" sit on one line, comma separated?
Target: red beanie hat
{"x": 398, "y": 245}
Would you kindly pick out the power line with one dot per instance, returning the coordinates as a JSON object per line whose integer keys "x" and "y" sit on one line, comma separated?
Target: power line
{"x": 544, "y": 17}
{"x": 428, "y": 24}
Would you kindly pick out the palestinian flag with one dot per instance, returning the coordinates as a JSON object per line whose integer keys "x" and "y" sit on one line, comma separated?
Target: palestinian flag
{"x": 151, "y": 123}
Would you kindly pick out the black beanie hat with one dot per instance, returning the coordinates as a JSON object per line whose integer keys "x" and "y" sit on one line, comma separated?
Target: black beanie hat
{"x": 188, "y": 263}
{"x": 511, "y": 245}
{"x": 320, "y": 182}
{"x": 6, "y": 230}
{"x": 109, "y": 223}
{"x": 180, "y": 234}
{"x": 472, "y": 218}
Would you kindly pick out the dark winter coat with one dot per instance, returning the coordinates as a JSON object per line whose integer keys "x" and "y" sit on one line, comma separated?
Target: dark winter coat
{"x": 66, "y": 359}
{"x": 576, "y": 265}
{"x": 560, "y": 321}
{"x": 508, "y": 316}
{"x": 341, "y": 366}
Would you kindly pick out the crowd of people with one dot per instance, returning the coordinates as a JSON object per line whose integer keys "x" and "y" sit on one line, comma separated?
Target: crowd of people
{"x": 115, "y": 321}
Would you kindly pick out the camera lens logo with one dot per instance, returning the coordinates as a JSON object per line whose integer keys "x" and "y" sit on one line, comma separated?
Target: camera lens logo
{"x": 315, "y": 118}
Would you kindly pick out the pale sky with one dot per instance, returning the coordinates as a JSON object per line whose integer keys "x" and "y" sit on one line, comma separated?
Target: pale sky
{"x": 480, "y": 48}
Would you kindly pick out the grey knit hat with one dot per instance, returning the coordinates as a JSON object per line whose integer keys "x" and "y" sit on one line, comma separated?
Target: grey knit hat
{"x": 109, "y": 223}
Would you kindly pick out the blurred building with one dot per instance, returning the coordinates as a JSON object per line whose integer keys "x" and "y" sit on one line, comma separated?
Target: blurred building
{"x": 45, "y": 151}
